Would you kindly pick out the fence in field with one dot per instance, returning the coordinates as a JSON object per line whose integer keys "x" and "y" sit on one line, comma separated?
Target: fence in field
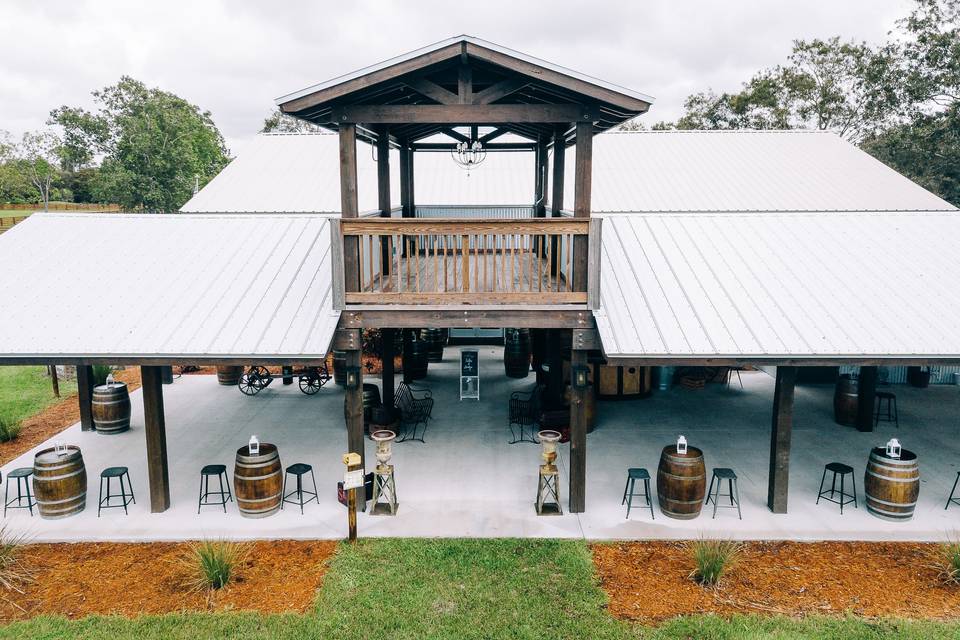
{"x": 59, "y": 206}
{"x": 6, "y": 222}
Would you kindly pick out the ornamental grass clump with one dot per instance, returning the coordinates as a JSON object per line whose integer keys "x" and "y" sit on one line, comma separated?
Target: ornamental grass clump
{"x": 712, "y": 559}
{"x": 9, "y": 430}
{"x": 13, "y": 572}
{"x": 100, "y": 373}
{"x": 950, "y": 562}
{"x": 213, "y": 564}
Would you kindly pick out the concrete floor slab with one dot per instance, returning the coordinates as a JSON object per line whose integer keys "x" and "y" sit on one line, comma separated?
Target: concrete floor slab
{"x": 466, "y": 481}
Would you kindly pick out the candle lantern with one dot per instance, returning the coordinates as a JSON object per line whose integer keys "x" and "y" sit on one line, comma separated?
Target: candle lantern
{"x": 893, "y": 448}
{"x": 110, "y": 380}
{"x": 549, "y": 440}
{"x": 384, "y": 439}
{"x": 384, "y": 482}
{"x": 254, "y": 446}
{"x": 353, "y": 378}
{"x": 581, "y": 377}
{"x": 548, "y": 495}
{"x": 681, "y": 446}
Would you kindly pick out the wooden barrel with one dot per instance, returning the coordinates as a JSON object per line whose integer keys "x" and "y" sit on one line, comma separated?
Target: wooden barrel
{"x": 258, "y": 481}
{"x": 59, "y": 482}
{"x": 516, "y": 352}
{"x": 340, "y": 368}
{"x": 845, "y": 401}
{"x": 111, "y": 408}
{"x": 229, "y": 376}
{"x": 892, "y": 485}
{"x": 414, "y": 359}
{"x": 370, "y": 399}
{"x": 435, "y": 341}
{"x": 681, "y": 483}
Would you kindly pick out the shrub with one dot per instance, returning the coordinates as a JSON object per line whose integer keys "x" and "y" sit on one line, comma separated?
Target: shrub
{"x": 100, "y": 373}
{"x": 212, "y": 564}
{"x": 713, "y": 558}
{"x": 13, "y": 573}
{"x": 9, "y": 429}
{"x": 950, "y": 562}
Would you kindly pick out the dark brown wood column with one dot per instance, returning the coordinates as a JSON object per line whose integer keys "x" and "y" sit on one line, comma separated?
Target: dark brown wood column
{"x": 156, "y": 433}
{"x": 383, "y": 191}
{"x": 349, "y": 207}
{"x": 780, "y": 434}
{"x": 387, "y": 375}
{"x": 540, "y": 180}
{"x": 578, "y": 437}
{"x": 583, "y": 182}
{"x": 556, "y": 198}
{"x": 85, "y": 396}
{"x": 349, "y": 341}
{"x": 405, "y": 180}
{"x": 866, "y": 397}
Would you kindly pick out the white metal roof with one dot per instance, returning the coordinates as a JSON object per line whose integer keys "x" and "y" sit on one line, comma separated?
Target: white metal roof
{"x": 780, "y": 285}
{"x": 178, "y": 286}
{"x": 454, "y": 40}
{"x": 742, "y": 171}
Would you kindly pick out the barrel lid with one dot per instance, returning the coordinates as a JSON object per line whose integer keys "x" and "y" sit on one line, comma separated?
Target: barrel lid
{"x": 50, "y": 455}
{"x": 692, "y": 452}
{"x": 905, "y": 454}
{"x": 108, "y": 387}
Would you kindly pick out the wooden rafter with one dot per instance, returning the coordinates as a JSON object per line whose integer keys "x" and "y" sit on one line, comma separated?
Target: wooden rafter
{"x": 432, "y": 90}
{"x": 499, "y": 90}
{"x": 464, "y": 114}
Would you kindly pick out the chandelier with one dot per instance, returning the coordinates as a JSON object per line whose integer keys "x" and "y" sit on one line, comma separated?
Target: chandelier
{"x": 468, "y": 154}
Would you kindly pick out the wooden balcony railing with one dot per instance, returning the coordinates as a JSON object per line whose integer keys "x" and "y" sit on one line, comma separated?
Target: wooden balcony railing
{"x": 444, "y": 261}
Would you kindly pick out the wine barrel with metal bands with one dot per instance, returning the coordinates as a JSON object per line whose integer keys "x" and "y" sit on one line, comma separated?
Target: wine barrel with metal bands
{"x": 111, "y": 408}
{"x": 681, "y": 483}
{"x": 845, "y": 401}
{"x": 516, "y": 353}
{"x": 59, "y": 482}
{"x": 414, "y": 359}
{"x": 892, "y": 485}
{"x": 258, "y": 481}
{"x": 340, "y": 368}
{"x": 229, "y": 376}
{"x": 435, "y": 340}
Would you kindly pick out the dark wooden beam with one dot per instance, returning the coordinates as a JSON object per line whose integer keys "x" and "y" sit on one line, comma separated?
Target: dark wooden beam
{"x": 463, "y": 114}
{"x": 432, "y": 90}
{"x": 349, "y": 207}
{"x": 540, "y": 180}
{"x": 493, "y": 135}
{"x": 85, "y": 396}
{"x": 556, "y": 200}
{"x": 405, "y": 155}
{"x": 156, "y": 434}
{"x": 866, "y": 397}
{"x": 475, "y": 317}
{"x": 583, "y": 175}
{"x": 578, "y": 437}
{"x": 448, "y": 146}
{"x": 383, "y": 191}
{"x": 456, "y": 135}
{"x": 499, "y": 90}
{"x": 353, "y": 409}
{"x": 780, "y": 434}
{"x": 387, "y": 374}
{"x": 464, "y": 84}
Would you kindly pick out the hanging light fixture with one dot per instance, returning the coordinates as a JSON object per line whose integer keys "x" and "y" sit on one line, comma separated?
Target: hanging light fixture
{"x": 469, "y": 154}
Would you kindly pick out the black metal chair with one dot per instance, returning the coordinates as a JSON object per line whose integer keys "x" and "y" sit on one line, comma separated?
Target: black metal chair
{"x": 951, "y": 499}
{"x": 416, "y": 408}
{"x": 828, "y": 494}
{"x": 891, "y": 414}
{"x": 224, "y": 494}
{"x": 719, "y": 475}
{"x": 524, "y": 415}
{"x": 125, "y": 498}
{"x": 298, "y": 470}
{"x": 634, "y": 474}
{"x": 21, "y": 474}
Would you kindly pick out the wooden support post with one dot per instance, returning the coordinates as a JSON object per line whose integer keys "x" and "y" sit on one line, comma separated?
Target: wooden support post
{"x": 556, "y": 200}
{"x": 54, "y": 380}
{"x": 383, "y": 192}
{"x": 540, "y": 180}
{"x": 405, "y": 155}
{"x": 287, "y": 373}
{"x": 578, "y": 436}
{"x": 353, "y": 409}
{"x": 387, "y": 375}
{"x": 866, "y": 397}
{"x": 554, "y": 394}
{"x": 85, "y": 396}
{"x": 349, "y": 207}
{"x": 780, "y": 432}
{"x": 155, "y": 430}
{"x": 583, "y": 174}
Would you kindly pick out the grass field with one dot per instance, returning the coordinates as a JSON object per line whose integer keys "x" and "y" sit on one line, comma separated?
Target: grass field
{"x": 465, "y": 589}
{"x": 25, "y": 391}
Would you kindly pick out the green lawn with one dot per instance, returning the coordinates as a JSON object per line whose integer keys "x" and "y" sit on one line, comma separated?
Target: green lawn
{"x": 26, "y": 390}
{"x": 464, "y": 589}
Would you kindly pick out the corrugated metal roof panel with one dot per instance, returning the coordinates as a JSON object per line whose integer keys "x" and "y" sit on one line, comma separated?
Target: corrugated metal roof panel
{"x": 809, "y": 284}
{"x": 167, "y": 286}
{"x": 742, "y": 171}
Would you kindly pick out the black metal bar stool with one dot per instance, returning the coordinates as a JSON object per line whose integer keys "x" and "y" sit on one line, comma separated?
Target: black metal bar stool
{"x": 223, "y": 496}
{"x": 21, "y": 474}
{"x": 951, "y": 498}
{"x": 633, "y": 475}
{"x": 891, "y": 414}
{"x": 828, "y": 494}
{"x": 719, "y": 475}
{"x": 298, "y": 470}
{"x": 125, "y": 498}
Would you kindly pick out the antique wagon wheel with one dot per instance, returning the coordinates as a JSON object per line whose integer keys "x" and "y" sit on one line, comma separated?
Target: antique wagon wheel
{"x": 249, "y": 382}
{"x": 310, "y": 382}
{"x": 263, "y": 376}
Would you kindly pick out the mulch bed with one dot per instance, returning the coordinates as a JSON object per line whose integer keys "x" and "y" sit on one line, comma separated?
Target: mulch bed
{"x": 649, "y": 581}
{"x": 81, "y": 579}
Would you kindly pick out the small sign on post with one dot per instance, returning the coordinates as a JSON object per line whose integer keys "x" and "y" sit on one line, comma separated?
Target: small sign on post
{"x": 469, "y": 374}
{"x": 350, "y": 485}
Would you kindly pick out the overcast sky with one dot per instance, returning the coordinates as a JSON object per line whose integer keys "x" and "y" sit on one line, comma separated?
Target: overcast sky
{"x": 233, "y": 58}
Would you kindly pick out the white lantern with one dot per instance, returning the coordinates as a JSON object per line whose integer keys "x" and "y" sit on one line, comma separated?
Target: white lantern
{"x": 254, "y": 446}
{"x": 110, "y": 380}
{"x": 681, "y": 446}
{"x": 893, "y": 448}
{"x": 60, "y": 448}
